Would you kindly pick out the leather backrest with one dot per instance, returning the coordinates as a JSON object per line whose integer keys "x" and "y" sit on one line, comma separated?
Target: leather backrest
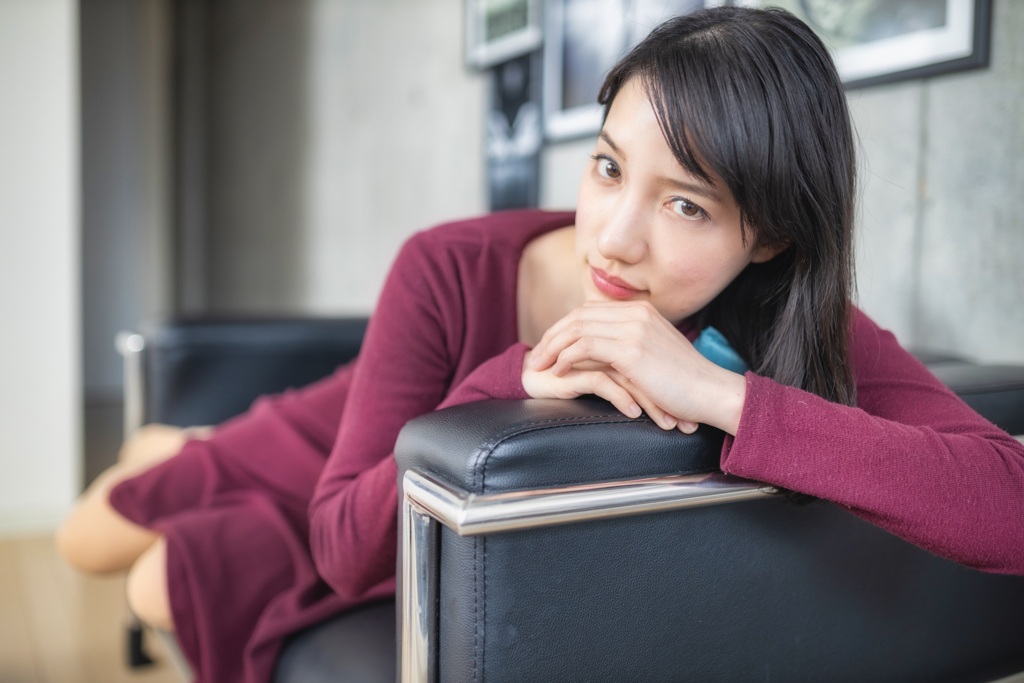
{"x": 995, "y": 391}
{"x": 762, "y": 590}
{"x": 744, "y": 591}
{"x": 205, "y": 371}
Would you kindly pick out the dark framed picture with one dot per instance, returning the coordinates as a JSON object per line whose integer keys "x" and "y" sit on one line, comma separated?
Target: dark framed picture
{"x": 498, "y": 30}
{"x": 582, "y": 41}
{"x": 513, "y": 134}
{"x": 883, "y": 41}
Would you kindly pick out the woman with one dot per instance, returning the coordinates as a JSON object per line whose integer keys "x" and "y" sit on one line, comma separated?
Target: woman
{"x": 718, "y": 204}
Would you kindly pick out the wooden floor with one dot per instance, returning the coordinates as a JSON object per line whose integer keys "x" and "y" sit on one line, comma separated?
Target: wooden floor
{"x": 59, "y": 627}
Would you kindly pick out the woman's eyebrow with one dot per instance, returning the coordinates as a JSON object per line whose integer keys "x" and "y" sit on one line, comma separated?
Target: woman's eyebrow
{"x": 603, "y": 135}
{"x": 693, "y": 185}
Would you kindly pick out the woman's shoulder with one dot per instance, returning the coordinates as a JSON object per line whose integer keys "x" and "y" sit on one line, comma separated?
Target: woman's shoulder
{"x": 878, "y": 358}
{"x": 872, "y": 347}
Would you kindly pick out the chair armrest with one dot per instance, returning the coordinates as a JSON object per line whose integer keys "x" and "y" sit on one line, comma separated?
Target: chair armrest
{"x": 716, "y": 591}
{"x": 204, "y": 371}
{"x": 494, "y": 446}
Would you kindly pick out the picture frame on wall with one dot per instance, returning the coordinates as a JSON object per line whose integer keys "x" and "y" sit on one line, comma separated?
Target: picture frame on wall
{"x": 513, "y": 134}
{"x": 499, "y": 30}
{"x": 875, "y": 42}
{"x": 582, "y": 41}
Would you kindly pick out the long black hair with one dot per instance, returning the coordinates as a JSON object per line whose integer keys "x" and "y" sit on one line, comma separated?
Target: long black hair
{"x": 753, "y": 95}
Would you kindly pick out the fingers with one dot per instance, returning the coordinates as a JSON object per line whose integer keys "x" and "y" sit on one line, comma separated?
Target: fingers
{"x": 593, "y": 319}
{"x": 657, "y": 415}
{"x": 625, "y": 353}
{"x": 615, "y": 389}
{"x": 604, "y": 386}
{"x": 577, "y": 383}
{"x": 687, "y": 427}
{"x": 661, "y": 418}
{"x": 609, "y": 352}
{"x": 609, "y": 385}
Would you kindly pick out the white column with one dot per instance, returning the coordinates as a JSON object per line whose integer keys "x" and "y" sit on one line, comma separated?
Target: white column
{"x": 40, "y": 404}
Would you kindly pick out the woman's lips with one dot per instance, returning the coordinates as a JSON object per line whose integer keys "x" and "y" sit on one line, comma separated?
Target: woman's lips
{"x": 611, "y": 286}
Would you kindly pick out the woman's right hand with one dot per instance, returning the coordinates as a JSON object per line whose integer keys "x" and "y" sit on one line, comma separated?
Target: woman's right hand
{"x": 601, "y": 380}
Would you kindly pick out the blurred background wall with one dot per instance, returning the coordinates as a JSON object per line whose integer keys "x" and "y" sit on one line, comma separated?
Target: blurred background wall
{"x": 40, "y": 381}
{"x": 264, "y": 156}
{"x": 269, "y": 156}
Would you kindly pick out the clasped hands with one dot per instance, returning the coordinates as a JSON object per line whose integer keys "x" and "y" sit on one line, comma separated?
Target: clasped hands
{"x": 630, "y": 355}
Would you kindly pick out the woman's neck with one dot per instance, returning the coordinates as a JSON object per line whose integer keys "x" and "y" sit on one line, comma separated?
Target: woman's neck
{"x": 549, "y": 283}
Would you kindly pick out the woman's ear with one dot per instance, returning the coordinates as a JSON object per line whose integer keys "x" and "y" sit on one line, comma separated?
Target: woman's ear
{"x": 766, "y": 252}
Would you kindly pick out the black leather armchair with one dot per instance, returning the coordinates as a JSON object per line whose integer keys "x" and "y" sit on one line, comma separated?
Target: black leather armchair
{"x": 560, "y": 541}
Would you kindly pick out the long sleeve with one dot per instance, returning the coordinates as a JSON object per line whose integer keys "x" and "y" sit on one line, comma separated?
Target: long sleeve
{"x": 355, "y": 546}
{"x": 443, "y": 332}
{"x": 911, "y": 457}
{"x": 500, "y": 377}
{"x": 403, "y": 371}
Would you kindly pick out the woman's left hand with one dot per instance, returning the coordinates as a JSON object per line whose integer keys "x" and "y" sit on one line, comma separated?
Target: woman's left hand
{"x": 649, "y": 357}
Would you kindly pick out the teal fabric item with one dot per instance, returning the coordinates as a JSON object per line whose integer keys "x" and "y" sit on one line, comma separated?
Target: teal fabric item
{"x": 715, "y": 347}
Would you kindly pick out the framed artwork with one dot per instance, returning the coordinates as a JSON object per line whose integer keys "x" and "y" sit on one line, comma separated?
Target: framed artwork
{"x": 582, "y": 41}
{"x": 498, "y": 30}
{"x": 513, "y": 134}
{"x": 883, "y": 41}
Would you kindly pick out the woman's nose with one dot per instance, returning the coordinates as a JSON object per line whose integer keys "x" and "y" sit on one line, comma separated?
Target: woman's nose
{"x": 624, "y": 234}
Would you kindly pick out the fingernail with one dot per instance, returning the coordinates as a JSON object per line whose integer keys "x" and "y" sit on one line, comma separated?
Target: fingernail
{"x": 668, "y": 422}
{"x": 633, "y": 411}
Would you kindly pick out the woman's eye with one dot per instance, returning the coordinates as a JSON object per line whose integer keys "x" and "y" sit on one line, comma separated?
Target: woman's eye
{"x": 687, "y": 209}
{"x": 607, "y": 168}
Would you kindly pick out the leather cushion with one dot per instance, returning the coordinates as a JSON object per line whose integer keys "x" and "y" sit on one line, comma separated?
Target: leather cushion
{"x": 356, "y": 647}
{"x": 206, "y": 371}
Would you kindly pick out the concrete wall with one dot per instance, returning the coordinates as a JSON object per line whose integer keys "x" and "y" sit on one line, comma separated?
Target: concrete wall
{"x": 126, "y": 238}
{"x": 39, "y": 289}
{"x": 942, "y": 214}
{"x": 941, "y": 227}
{"x": 335, "y": 130}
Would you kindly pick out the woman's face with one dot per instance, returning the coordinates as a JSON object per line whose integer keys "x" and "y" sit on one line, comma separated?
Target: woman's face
{"x": 646, "y": 229}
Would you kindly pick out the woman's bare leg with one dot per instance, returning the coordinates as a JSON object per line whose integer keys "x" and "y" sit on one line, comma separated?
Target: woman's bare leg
{"x": 147, "y": 587}
{"x": 95, "y": 538}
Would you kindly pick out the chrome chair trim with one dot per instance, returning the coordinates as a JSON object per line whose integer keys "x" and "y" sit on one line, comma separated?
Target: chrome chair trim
{"x": 130, "y": 345}
{"x": 469, "y": 514}
{"x": 419, "y": 591}
{"x": 427, "y": 501}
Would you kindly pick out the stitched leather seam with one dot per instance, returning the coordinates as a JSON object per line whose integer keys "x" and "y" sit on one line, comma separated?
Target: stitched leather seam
{"x": 480, "y": 634}
{"x": 484, "y": 452}
{"x": 478, "y": 626}
{"x": 483, "y": 630}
